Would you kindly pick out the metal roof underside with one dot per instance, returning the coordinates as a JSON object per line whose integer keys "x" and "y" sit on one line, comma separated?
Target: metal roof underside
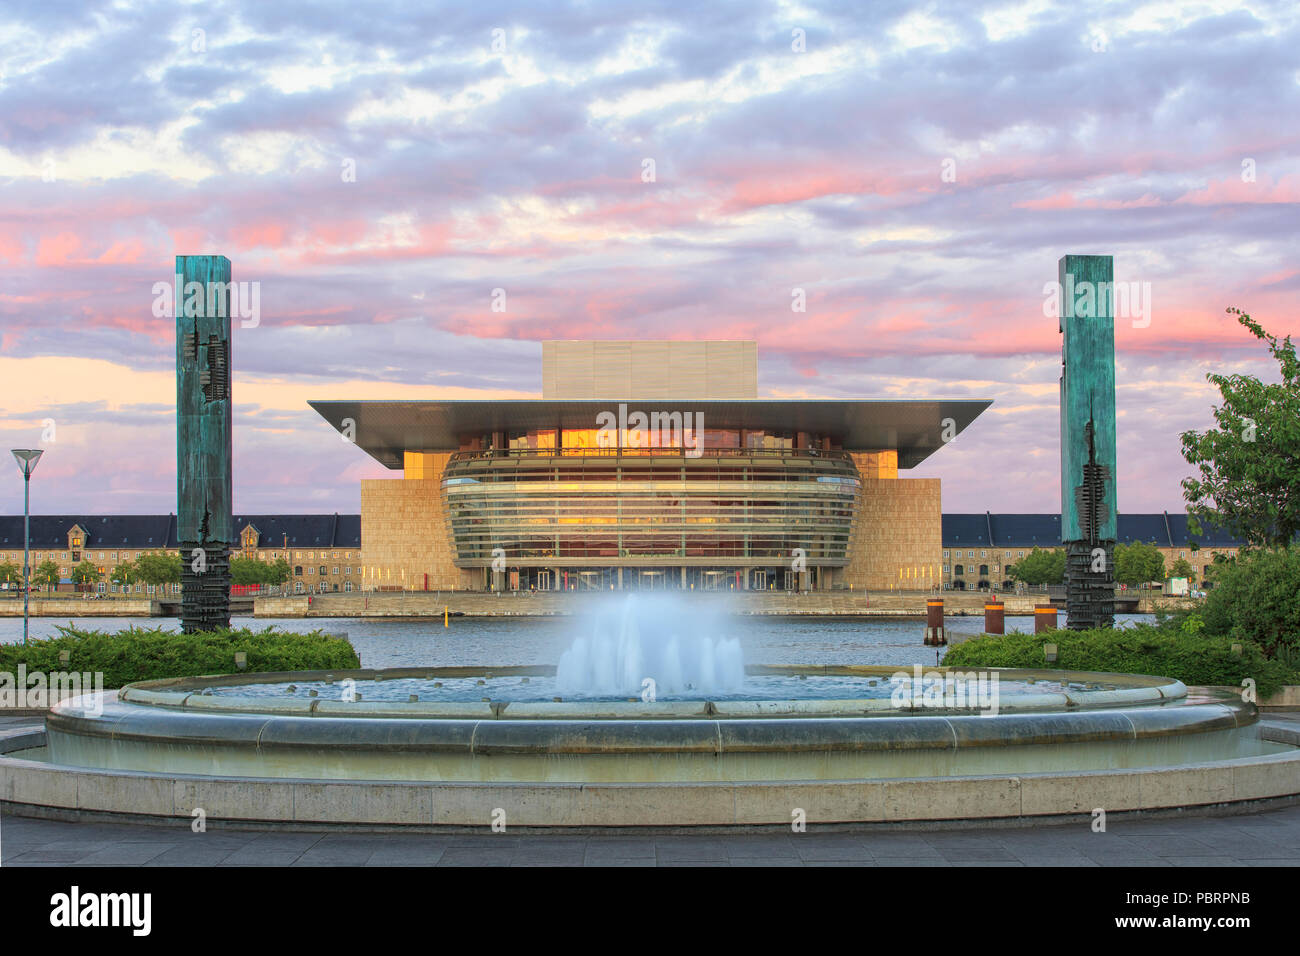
{"x": 385, "y": 430}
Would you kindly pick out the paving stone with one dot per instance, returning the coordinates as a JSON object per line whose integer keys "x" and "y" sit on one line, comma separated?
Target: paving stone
{"x": 1264, "y": 839}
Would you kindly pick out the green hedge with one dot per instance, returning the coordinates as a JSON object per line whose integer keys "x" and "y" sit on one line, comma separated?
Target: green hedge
{"x": 1257, "y": 598}
{"x": 151, "y": 653}
{"x": 1193, "y": 658}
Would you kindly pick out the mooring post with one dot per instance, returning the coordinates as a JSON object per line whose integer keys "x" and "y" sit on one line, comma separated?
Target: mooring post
{"x": 1044, "y": 618}
{"x": 934, "y": 622}
{"x": 993, "y": 617}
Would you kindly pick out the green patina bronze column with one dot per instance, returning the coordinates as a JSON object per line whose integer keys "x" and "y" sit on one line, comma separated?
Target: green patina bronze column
{"x": 1088, "y": 501}
{"x": 203, "y": 431}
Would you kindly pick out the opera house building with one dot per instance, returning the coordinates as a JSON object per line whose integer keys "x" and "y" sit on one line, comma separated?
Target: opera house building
{"x": 649, "y": 465}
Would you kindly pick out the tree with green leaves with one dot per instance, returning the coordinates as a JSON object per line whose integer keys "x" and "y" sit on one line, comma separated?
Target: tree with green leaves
{"x": 46, "y": 574}
{"x": 1249, "y": 467}
{"x": 1138, "y": 563}
{"x": 124, "y": 574}
{"x": 1039, "y": 567}
{"x": 85, "y": 573}
{"x": 277, "y": 572}
{"x": 1182, "y": 568}
{"x": 158, "y": 569}
{"x": 10, "y": 573}
{"x": 245, "y": 570}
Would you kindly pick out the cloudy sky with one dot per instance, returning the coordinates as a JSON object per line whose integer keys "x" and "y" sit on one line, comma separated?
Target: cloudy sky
{"x": 916, "y": 169}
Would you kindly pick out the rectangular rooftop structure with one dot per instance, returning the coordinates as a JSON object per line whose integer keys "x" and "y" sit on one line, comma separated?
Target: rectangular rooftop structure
{"x": 627, "y": 370}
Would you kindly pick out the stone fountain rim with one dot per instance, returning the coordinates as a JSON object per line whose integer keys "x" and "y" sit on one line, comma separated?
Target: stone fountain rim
{"x": 1126, "y": 690}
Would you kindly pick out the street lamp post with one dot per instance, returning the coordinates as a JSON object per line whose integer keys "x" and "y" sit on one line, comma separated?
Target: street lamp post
{"x": 27, "y": 459}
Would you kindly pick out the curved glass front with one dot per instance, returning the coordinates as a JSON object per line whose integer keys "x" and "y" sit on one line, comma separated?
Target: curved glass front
{"x": 606, "y": 507}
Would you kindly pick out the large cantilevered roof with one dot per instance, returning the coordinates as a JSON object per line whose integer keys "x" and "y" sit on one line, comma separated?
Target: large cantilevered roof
{"x": 385, "y": 430}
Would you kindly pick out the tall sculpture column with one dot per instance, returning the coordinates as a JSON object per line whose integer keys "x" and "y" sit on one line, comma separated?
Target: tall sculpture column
{"x": 203, "y": 431}
{"x": 1088, "y": 500}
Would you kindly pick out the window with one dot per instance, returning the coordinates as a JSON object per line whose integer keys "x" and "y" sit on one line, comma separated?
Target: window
{"x": 945, "y": 569}
{"x": 1020, "y": 553}
{"x": 336, "y": 570}
{"x": 984, "y": 554}
{"x": 113, "y": 555}
{"x": 297, "y": 570}
{"x": 1007, "y": 553}
{"x": 959, "y": 569}
{"x": 311, "y": 570}
{"x": 297, "y": 587}
{"x": 347, "y": 585}
{"x": 323, "y": 570}
{"x": 945, "y": 554}
{"x": 348, "y": 570}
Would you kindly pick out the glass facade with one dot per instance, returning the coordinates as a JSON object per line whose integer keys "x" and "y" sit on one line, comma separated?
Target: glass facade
{"x": 663, "y": 518}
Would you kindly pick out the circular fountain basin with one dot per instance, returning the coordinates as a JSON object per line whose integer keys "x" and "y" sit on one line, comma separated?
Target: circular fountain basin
{"x": 840, "y": 743}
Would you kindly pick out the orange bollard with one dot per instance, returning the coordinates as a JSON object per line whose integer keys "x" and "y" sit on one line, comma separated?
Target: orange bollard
{"x": 934, "y": 622}
{"x": 993, "y": 618}
{"x": 1044, "y": 618}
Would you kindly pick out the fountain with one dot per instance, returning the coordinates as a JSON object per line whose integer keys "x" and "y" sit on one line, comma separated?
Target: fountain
{"x": 652, "y": 646}
{"x": 650, "y": 718}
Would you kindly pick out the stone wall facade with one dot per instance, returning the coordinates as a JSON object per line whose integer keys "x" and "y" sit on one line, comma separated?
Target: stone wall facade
{"x": 405, "y": 541}
{"x": 897, "y": 536}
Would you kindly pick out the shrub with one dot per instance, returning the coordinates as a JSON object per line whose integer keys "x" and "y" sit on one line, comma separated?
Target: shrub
{"x": 152, "y": 653}
{"x": 1257, "y": 598}
{"x": 1182, "y": 653}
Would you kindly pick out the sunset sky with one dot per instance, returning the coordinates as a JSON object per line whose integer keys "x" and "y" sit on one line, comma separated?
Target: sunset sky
{"x": 916, "y": 169}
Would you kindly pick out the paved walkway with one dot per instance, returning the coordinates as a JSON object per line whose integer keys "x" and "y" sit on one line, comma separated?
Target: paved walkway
{"x": 1270, "y": 838}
